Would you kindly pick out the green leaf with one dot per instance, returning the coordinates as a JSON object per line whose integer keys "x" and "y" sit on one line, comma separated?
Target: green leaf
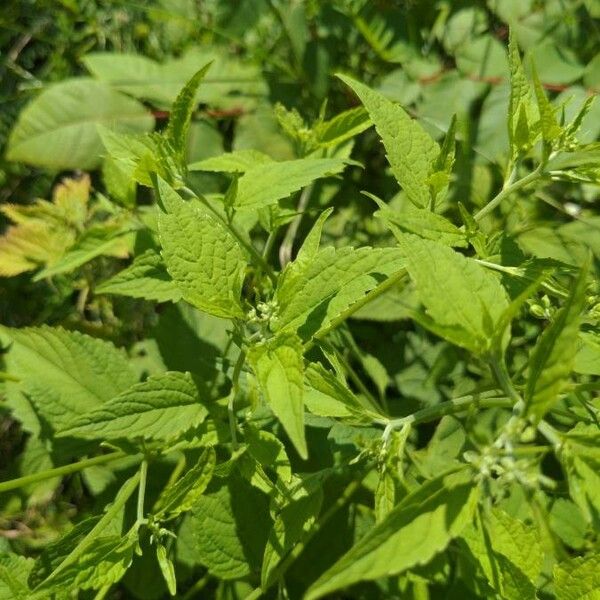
{"x": 549, "y": 125}
{"x": 266, "y": 184}
{"x": 419, "y": 527}
{"x": 159, "y": 408}
{"x": 587, "y": 358}
{"x": 102, "y": 564}
{"x": 64, "y": 372}
{"x": 58, "y": 565}
{"x": 326, "y": 396}
{"x": 181, "y": 112}
{"x": 521, "y": 110}
{"x": 58, "y": 128}
{"x": 239, "y": 161}
{"x": 14, "y": 570}
{"x": 342, "y": 127}
{"x": 279, "y": 367}
{"x": 578, "y": 578}
{"x": 291, "y": 526}
{"x": 146, "y": 278}
{"x": 311, "y": 293}
{"x": 167, "y": 569}
{"x": 204, "y": 259}
{"x": 183, "y": 494}
{"x": 553, "y": 356}
{"x": 463, "y": 300}
{"x": 228, "y": 527}
{"x": 424, "y": 223}
{"x": 410, "y": 150}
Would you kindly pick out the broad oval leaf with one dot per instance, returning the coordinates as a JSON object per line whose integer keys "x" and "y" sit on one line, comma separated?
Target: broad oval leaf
{"x": 58, "y": 128}
{"x": 66, "y": 373}
{"x": 159, "y": 408}
{"x": 202, "y": 256}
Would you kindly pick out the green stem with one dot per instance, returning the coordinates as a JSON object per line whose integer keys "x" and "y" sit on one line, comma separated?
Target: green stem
{"x": 237, "y": 369}
{"x": 346, "y": 314}
{"x": 142, "y": 491}
{"x": 197, "y": 587}
{"x": 450, "y": 407}
{"x": 343, "y": 499}
{"x": 504, "y": 381}
{"x": 509, "y": 189}
{"x": 14, "y": 484}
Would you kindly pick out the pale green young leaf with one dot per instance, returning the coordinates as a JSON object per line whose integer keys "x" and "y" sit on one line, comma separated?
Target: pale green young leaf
{"x": 552, "y": 359}
{"x": 14, "y": 570}
{"x": 238, "y": 161}
{"x": 410, "y": 150}
{"x": 64, "y": 555}
{"x": 57, "y": 129}
{"x": 159, "y": 408}
{"x": 517, "y": 541}
{"x": 587, "y": 358}
{"x": 463, "y": 300}
{"x": 578, "y": 578}
{"x": 181, "y": 112}
{"x": 503, "y": 576}
{"x": 268, "y": 450}
{"x": 279, "y": 366}
{"x": 550, "y": 128}
{"x": 326, "y": 396}
{"x": 146, "y": 278}
{"x": 65, "y": 373}
{"x": 342, "y": 127}
{"x": 204, "y": 259}
{"x": 266, "y": 184}
{"x": 291, "y": 526}
{"x": 310, "y": 247}
{"x": 181, "y": 495}
{"x": 101, "y": 564}
{"x": 521, "y": 110}
{"x": 167, "y": 569}
{"x": 111, "y": 239}
{"x": 421, "y": 222}
{"x": 311, "y": 293}
{"x": 385, "y": 495}
{"x": 421, "y": 525}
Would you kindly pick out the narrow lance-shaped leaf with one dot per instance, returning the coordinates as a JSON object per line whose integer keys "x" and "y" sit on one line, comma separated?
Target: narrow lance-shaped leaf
{"x": 202, "y": 256}
{"x": 410, "y": 149}
{"x": 181, "y": 112}
{"x": 412, "y": 534}
{"x": 279, "y": 367}
{"x": 159, "y": 408}
{"x": 553, "y": 357}
{"x": 180, "y": 496}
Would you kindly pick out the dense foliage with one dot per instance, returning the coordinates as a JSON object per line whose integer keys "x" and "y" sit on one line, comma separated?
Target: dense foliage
{"x": 300, "y": 299}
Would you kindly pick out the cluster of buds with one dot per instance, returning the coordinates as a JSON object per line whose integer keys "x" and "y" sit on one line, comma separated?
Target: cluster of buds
{"x": 265, "y": 314}
{"x": 542, "y": 309}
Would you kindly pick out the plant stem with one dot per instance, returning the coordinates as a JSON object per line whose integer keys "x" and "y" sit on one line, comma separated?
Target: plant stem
{"x": 509, "y": 189}
{"x": 451, "y": 407}
{"x": 14, "y": 484}
{"x": 142, "y": 491}
{"x": 197, "y": 587}
{"x": 285, "y": 250}
{"x": 237, "y": 369}
{"x": 343, "y": 499}
{"x": 346, "y": 314}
